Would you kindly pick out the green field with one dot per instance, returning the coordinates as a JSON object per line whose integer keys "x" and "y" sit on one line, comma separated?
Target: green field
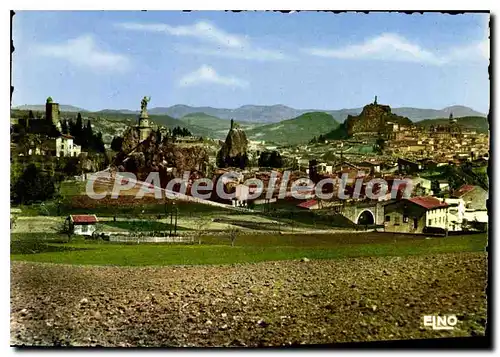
{"x": 54, "y": 248}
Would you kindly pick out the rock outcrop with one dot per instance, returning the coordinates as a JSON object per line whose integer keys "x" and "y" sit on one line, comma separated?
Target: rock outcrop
{"x": 233, "y": 152}
{"x": 373, "y": 119}
{"x": 159, "y": 155}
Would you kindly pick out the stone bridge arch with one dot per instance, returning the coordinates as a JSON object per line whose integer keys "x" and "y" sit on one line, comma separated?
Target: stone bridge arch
{"x": 354, "y": 212}
{"x": 365, "y": 216}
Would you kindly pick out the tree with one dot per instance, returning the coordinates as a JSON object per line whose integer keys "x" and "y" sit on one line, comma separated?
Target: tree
{"x": 88, "y": 141}
{"x": 33, "y": 185}
{"x": 233, "y": 232}
{"x": 65, "y": 228}
{"x": 99, "y": 143}
{"x": 270, "y": 159}
{"x": 116, "y": 143}
{"x": 64, "y": 126}
{"x": 158, "y": 136}
{"x": 178, "y": 131}
{"x": 436, "y": 190}
{"x": 71, "y": 167}
{"x": 379, "y": 145}
{"x": 241, "y": 161}
{"x": 201, "y": 226}
{"x": 76, "y": 130}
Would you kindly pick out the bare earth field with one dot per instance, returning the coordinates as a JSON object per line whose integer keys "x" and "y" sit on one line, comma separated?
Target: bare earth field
{"x": 262, "y": 304}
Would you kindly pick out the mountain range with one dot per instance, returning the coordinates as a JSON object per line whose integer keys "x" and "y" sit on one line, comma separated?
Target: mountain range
{"x": 273, "y": 113}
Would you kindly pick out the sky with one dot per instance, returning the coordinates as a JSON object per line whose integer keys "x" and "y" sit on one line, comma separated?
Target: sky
{"x": 308, "y": 60}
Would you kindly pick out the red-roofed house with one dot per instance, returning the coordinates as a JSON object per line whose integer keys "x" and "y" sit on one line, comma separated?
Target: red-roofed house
{"x": 474, "y": 197}
{"x": 83, "y": 224}
{"x": 311, "y": 204}
{"x": 416, "y": 215}
{"x": 428, "y": 202}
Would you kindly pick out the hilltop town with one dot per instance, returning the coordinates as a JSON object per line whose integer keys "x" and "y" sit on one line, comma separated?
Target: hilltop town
{"x": 446, "y": 163}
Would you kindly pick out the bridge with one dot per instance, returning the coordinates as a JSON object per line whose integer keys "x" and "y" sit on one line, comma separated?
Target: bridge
{"x": 364, "y": 213}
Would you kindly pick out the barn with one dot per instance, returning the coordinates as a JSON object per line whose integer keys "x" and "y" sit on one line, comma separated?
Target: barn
{"x": 83, "y": 224}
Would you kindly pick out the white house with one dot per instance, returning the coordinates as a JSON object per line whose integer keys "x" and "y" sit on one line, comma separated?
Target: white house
{"x": 241, "y": 195}
{"x": 476, "y": 216}
{"x": 436, "y": 217}
{"x": 456, "y": 213}
{"x": 323, "y": 167}
{"x": 66, "y": 147}
{"x": 83, "y": 224}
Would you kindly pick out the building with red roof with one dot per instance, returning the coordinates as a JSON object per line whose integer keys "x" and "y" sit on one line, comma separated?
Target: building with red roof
{"x": 310, "y": 204}
{"x": 83, "y": 224}
{"x": 475, "y": 197}
{"x": 422, "y": 214}
{"x": 428, "y": 202}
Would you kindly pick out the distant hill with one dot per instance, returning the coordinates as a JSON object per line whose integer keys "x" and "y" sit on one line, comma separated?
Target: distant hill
{"x": 246, "y": 113}
{"x": 118, "y": 111}
{"x": 416, "y": 114}
{"x": 294, "y": 131}
{"x": 206, "y": 121}
{"x": 277, "y": 113}
{"x": 41, "y": 107}
{"x": 473, "y": 122}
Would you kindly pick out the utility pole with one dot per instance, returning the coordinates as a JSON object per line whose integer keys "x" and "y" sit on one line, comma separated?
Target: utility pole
{"x": 176, "y": 214}
{"x": 446, "y": 222}
{"x": 170, "y": 220}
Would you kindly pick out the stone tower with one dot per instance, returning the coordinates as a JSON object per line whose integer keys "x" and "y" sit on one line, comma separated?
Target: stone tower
{"x": 52, "y": 112}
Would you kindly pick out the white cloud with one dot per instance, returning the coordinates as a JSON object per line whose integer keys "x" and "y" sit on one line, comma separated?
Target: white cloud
{"x": 223, "y": 44}
{"x": 206, "y": 74}
{"x": 83, "y": 51}
{"x": 384, "y": 47}
{"x": 392, "y": 47}
{"x": 202, "y": 30}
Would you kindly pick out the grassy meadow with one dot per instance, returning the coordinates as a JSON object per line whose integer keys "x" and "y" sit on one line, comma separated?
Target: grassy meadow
{"x": 55, "y": 248}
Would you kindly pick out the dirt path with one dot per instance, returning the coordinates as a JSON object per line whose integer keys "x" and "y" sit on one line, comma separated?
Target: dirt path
{"x": 270, "y": 303}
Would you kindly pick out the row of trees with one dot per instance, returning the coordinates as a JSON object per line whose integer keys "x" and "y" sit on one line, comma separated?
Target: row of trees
{"x": 178, "y": 131}
{"x": 318, "y": 140}
{"x": 270, "y": 159}
{"x": 83, "y": 134}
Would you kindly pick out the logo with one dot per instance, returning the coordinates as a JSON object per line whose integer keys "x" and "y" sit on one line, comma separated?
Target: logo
{"x": 437, "y": 322}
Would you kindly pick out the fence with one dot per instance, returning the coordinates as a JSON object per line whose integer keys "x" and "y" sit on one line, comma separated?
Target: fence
{"x": 151, "y": 239}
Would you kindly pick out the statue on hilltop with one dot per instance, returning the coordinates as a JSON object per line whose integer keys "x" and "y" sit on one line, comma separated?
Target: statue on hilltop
{"x": 144, "y": 103}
